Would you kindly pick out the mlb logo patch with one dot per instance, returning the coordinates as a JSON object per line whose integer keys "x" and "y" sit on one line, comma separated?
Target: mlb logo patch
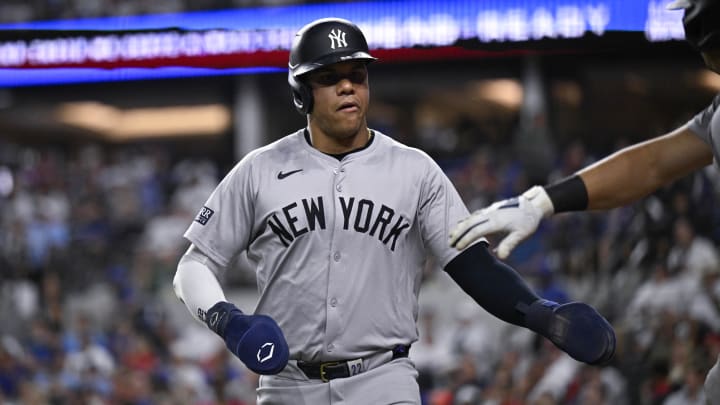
{"x": 204, "y": 215}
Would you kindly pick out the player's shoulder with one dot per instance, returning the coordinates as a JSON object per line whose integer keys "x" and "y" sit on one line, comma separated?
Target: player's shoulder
{"x": 277, "y": 150}
{"x": 257, "y": 160}
{"x": 716, "y": 102}
{"x": 399, "y": 149}
{"x": 423, "y": 164}
{"x": 713, "y": 108}
{"x": 701, "y": 123}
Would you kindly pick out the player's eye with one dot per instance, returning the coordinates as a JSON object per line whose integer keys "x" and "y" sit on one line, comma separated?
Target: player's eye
{"x": 332, "y": 78}
{"x": 358, "y": 76}
{"x": 327, "y": 79}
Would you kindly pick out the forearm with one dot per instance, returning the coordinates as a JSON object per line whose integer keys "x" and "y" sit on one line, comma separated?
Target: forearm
{"x": 196, "y": 285}
{"x": 495, "y": 286}
{"x": 638, "y": 170}
{"x": 246, "y": 336}
{"x": 575, "y": 327}
{"x": 623, "y": 177}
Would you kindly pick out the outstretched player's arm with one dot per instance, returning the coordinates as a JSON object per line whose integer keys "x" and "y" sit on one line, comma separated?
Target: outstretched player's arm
{"x": 576, "y": 328}
{"x": 638, "y": 170}
{"x": 623, "y": 177}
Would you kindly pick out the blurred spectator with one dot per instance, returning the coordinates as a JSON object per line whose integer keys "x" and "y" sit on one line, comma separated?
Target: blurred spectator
{"x": 660, "y": 294}
{"x": 692, "y": 392}
{"x": 547, "y": 285}
{"x": 691, "y": 251}
{"x": 705, "y": 305}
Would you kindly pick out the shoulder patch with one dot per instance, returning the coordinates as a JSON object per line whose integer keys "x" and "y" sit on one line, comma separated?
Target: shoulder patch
{"x": 204, "y": 216}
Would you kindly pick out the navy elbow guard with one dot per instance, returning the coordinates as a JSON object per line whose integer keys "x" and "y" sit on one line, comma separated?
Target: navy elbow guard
{"x": 576, "y": 328}
{"x": 255, "y": 339}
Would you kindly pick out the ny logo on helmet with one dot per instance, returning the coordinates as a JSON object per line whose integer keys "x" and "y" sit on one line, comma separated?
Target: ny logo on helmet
{"x": 337, "y": 39}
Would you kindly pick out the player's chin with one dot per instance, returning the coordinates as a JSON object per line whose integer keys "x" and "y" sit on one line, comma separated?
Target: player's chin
{"x": 349, "y": 121}
{"x": 344, "y": 133}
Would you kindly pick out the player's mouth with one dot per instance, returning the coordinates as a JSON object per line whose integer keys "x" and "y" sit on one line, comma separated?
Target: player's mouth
{"x": 349, "y": 106}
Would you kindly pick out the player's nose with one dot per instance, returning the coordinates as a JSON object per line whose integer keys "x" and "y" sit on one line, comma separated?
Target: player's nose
{"x": 345, "y": 86}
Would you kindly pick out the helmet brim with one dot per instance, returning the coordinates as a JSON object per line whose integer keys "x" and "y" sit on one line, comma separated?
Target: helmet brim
{"x": 331, "y": 59}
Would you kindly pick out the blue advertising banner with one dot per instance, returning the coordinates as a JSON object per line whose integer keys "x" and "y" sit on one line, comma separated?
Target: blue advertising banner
{"x": 253, "y": 40}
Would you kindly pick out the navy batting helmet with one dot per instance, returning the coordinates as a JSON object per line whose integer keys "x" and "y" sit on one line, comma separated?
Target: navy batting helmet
{"x": 321, "y": 43}
{"x": 701, "y": 21}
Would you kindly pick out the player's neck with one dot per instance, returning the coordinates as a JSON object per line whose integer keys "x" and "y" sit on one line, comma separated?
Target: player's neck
{"x": 335, "y": 145}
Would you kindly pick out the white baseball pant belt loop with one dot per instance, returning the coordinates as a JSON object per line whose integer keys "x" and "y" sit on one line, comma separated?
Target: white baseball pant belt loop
{"x": 330, "y": 370}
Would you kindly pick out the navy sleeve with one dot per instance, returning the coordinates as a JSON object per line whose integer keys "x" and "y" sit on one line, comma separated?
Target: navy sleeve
{"x": 497, "y": 287}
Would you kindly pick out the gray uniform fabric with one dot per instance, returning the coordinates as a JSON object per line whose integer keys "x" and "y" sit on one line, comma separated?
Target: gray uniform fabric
{"x": 706, "y": 125}
{"x": 394, "y": 383}
{"x": 338, "y": 246}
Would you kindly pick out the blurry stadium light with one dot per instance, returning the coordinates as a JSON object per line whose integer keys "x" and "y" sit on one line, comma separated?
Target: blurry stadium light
{"x": 116, "y": 124}
{"x": 567, "y": 92}
{"x": 710, "y": 80}
{"x": 505, "y": 92}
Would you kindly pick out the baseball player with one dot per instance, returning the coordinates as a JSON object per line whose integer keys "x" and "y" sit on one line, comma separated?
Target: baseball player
{"x": 626, "y": 176}
{"x": 337, "y": 220}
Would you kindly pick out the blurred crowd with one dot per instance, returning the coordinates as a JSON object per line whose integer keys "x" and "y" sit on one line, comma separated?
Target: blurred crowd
{"x": 89, "y": 241}
{"x": 90, "y": 236}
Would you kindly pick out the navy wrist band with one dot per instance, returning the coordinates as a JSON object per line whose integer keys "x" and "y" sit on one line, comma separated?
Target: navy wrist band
{"x": 569, "y": 194}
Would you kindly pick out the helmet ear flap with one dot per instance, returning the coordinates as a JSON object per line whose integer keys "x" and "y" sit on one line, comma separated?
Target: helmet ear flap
{"x": 302, "y": 94}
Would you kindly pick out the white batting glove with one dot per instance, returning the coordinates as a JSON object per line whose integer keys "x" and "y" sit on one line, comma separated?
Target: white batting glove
{"x": 519, "y": 217}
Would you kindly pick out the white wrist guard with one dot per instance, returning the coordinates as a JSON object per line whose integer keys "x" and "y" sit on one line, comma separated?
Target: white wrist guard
{"x": 538, "y": 197}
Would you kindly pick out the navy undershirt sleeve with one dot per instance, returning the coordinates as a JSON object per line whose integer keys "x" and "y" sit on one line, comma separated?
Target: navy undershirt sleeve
{"x": 497, "y": 287}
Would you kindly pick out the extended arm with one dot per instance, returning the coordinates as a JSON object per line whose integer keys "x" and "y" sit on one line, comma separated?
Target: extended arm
{"x": 636, "y": 171}
{"x": 621, "y": 178}
{"x": 576, "y": 328}
{"x": 255, "y": 339}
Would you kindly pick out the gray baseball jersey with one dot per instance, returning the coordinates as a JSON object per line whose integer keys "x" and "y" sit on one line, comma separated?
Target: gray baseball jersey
{"x": 338, "y": 245}
{"x": 706, "y": 125}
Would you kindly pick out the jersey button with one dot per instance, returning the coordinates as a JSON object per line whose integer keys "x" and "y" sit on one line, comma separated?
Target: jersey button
{"x": 333, "y": 302}
{"x": 335, "y": 171}
{"x": 337, "y": 256}
{"x": 338, "y": 187}
{"x": 330, "y": 347}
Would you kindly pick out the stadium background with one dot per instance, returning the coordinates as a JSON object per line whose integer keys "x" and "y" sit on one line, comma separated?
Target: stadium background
{"x": 98, "y": 181}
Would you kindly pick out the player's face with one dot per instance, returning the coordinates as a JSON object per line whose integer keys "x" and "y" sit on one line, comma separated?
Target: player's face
{"x": 712, "y": 59}
{"x": 341, "y": 97}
